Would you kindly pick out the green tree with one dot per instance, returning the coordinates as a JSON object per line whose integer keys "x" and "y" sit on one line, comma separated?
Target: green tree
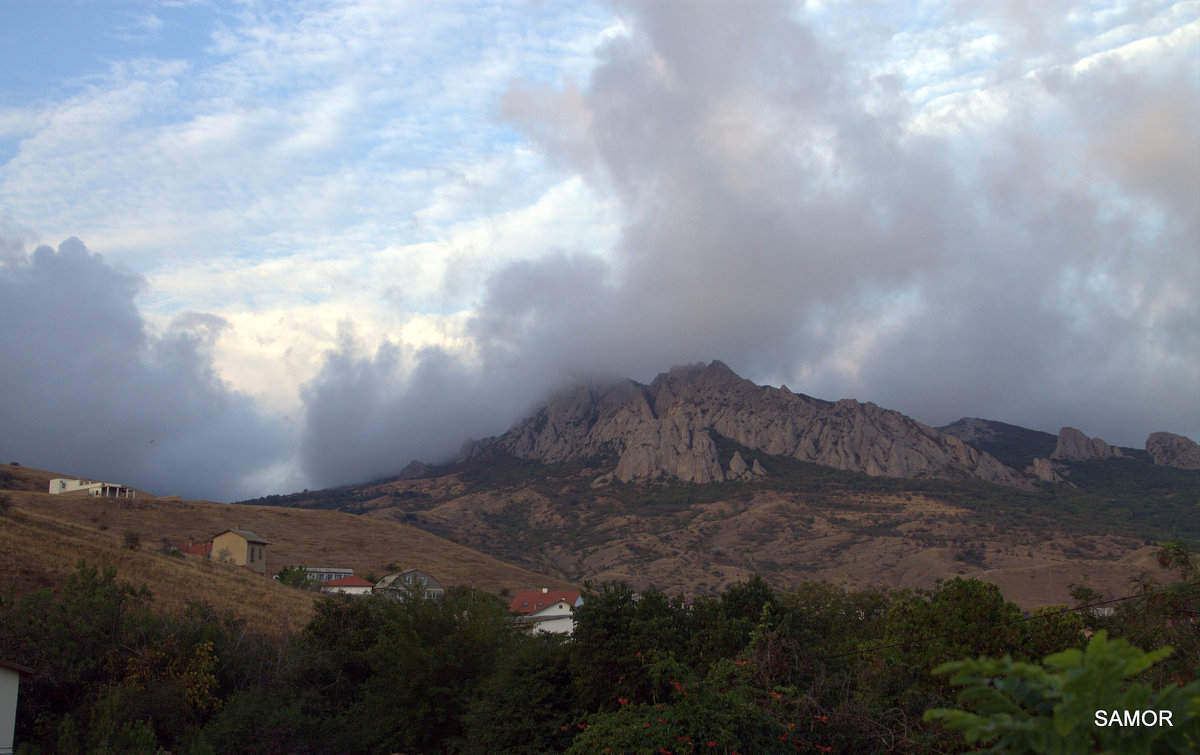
{"x": 294, "y": 576}
{"x": 524, "y": 705}
{"x": 1056, "y": 706}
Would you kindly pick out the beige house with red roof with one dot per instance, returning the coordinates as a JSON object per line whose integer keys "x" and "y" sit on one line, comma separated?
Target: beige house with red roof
{"x": 241, "y": 547}
{"x": 547, "y": 610}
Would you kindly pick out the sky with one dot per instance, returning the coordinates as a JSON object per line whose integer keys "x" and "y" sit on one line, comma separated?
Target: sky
{"x": 256, "y": 247}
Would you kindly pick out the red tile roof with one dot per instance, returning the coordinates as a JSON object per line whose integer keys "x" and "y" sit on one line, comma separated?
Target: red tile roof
{"x": 351, "y": 581}
{"x": 528, "y": 601}
{"x": 204, "y": 550}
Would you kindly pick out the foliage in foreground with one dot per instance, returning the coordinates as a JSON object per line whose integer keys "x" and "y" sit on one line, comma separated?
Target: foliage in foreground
{"x": 816, "y": 669}
{"x": 1067, "y": 702}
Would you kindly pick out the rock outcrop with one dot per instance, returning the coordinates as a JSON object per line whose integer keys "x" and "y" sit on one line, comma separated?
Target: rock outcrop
{"x": 1171, "y": 450}
{"x": 1073, "y": 445}
{"x": 1044, "y": 470}
{"x": 668, "y": 429}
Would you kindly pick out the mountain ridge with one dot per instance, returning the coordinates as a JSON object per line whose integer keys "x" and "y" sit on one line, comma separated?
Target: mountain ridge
{"x": 665, "y": 430}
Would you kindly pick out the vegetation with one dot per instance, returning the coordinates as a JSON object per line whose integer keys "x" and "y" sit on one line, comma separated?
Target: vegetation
{"x": 1075, "y": 701}
{"x": 815, "y": 669}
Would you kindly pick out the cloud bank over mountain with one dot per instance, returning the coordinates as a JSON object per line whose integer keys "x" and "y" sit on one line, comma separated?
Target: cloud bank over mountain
{"x": 804, "y": 220}
{"x": 947, "y": 209}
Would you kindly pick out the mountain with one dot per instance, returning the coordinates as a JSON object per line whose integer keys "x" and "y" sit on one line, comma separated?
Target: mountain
{"x": 671, "y": 430}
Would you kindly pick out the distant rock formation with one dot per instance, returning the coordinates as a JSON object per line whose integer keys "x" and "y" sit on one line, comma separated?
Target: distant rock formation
{"x": 1171, "y": 450}
{"x": 666, "y": 430}
{"x": 1073, "y": 445}
{"x": 971, "y": 429}
{"x": 1044, "y": 470}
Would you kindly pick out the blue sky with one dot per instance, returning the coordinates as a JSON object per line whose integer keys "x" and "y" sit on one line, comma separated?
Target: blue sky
{"x": 363, "y": 232}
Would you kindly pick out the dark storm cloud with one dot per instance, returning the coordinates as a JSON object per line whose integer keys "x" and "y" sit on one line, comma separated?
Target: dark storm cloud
{"x": 781, "y": 215}
{"x": 86, "y": 389}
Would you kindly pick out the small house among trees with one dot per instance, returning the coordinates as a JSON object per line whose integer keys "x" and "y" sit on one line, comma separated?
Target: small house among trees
{"x": 351, "y": 585}
{"x": 547, "y": 610}
{"x": 323, "y": 574}
{"x": 411, "y": 579}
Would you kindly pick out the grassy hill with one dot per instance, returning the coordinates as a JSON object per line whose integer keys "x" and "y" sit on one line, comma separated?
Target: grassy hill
{"x": 802, "y": 522}
{"x": 43, "y": 536}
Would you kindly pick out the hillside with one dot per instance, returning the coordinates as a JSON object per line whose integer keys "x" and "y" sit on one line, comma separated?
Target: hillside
{"x": 700, "y": 479}
{"x": 803, "y": 522}
{"x": 43, "y": 536}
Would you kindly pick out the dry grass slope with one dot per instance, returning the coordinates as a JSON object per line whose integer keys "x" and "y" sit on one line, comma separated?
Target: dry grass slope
{"x": 43, "y": 536}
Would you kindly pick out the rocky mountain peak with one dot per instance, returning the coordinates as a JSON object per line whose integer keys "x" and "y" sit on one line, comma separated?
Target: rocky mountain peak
{"x": 669, "y": 430}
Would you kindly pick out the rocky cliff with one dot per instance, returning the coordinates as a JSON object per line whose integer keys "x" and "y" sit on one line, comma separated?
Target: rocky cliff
{"x": 1073, "y": 445}
{"x": 1171, "y": 450}
{"x": 667, "y": 430}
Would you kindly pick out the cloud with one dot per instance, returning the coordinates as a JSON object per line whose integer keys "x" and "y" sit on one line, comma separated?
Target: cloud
{"x": 90, "y": 391}
{"x": 1023, "y": 250}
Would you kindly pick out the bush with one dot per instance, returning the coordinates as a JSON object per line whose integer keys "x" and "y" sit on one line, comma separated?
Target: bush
{"x": 1056, "y": 706}
{"x": 131, "y": 540}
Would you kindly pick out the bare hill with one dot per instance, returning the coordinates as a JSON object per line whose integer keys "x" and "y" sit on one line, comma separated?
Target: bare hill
{"x": 848, "y": 529}
{"x": 42, "y": 537}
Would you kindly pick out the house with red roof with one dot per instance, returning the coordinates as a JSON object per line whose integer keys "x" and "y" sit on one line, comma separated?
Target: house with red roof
{"x": 238, "y": 547}
{"x": 351, "y": 585}
{"x": 546, "y": 610}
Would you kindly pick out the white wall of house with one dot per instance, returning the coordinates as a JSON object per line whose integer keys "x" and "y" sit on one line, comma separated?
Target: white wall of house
{"x": 100, "y": 489}
{"x": 9, "y": 679}
{"x": 347, "y": 590}
{"x": 326, "y": 573}
{"x": 554, "y": 618}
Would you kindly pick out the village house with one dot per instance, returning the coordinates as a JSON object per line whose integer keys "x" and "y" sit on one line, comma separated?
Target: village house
{"x": 323, "y": 574}
{"x": 350, "y": 585}
{"x": 10, "y": 682}
{"x": 241, "y": 547}
{"x": 96, "y": 489}
{"x": 546, "y": 610}
{"x": 411, "y": 579}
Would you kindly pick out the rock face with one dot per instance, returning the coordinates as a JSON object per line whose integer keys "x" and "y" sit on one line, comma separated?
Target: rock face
{"x": 1045, "y": 470}
{"x": 1171, "y": 450}
{"x": 1073, "y": 445}
{"x": 665, "y": 430}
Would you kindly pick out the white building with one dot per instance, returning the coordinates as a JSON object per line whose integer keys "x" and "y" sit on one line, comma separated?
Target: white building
{"x": 351, "y": 585}
{"x": 10, "y": 680}
{"x": 319, "y": 575}
{"x": 401, "y": 582}
{"x": 98, "y": 489}
{"x": 547, "y": 610}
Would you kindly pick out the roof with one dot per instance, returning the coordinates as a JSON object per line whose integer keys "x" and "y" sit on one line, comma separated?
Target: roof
{"x": 246, "y": 535}
{"x": 351, "y": 581}
{"x": 22, "y": 670}
{"x": 528, "y": 601}
{"x": 199, "y": 549}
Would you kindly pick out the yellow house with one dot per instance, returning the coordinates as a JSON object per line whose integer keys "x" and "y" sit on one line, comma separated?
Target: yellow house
{"x": 241, "y": 547}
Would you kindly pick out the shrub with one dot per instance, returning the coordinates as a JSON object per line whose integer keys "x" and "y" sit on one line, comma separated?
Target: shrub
{"x": 1057, "y": 705}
